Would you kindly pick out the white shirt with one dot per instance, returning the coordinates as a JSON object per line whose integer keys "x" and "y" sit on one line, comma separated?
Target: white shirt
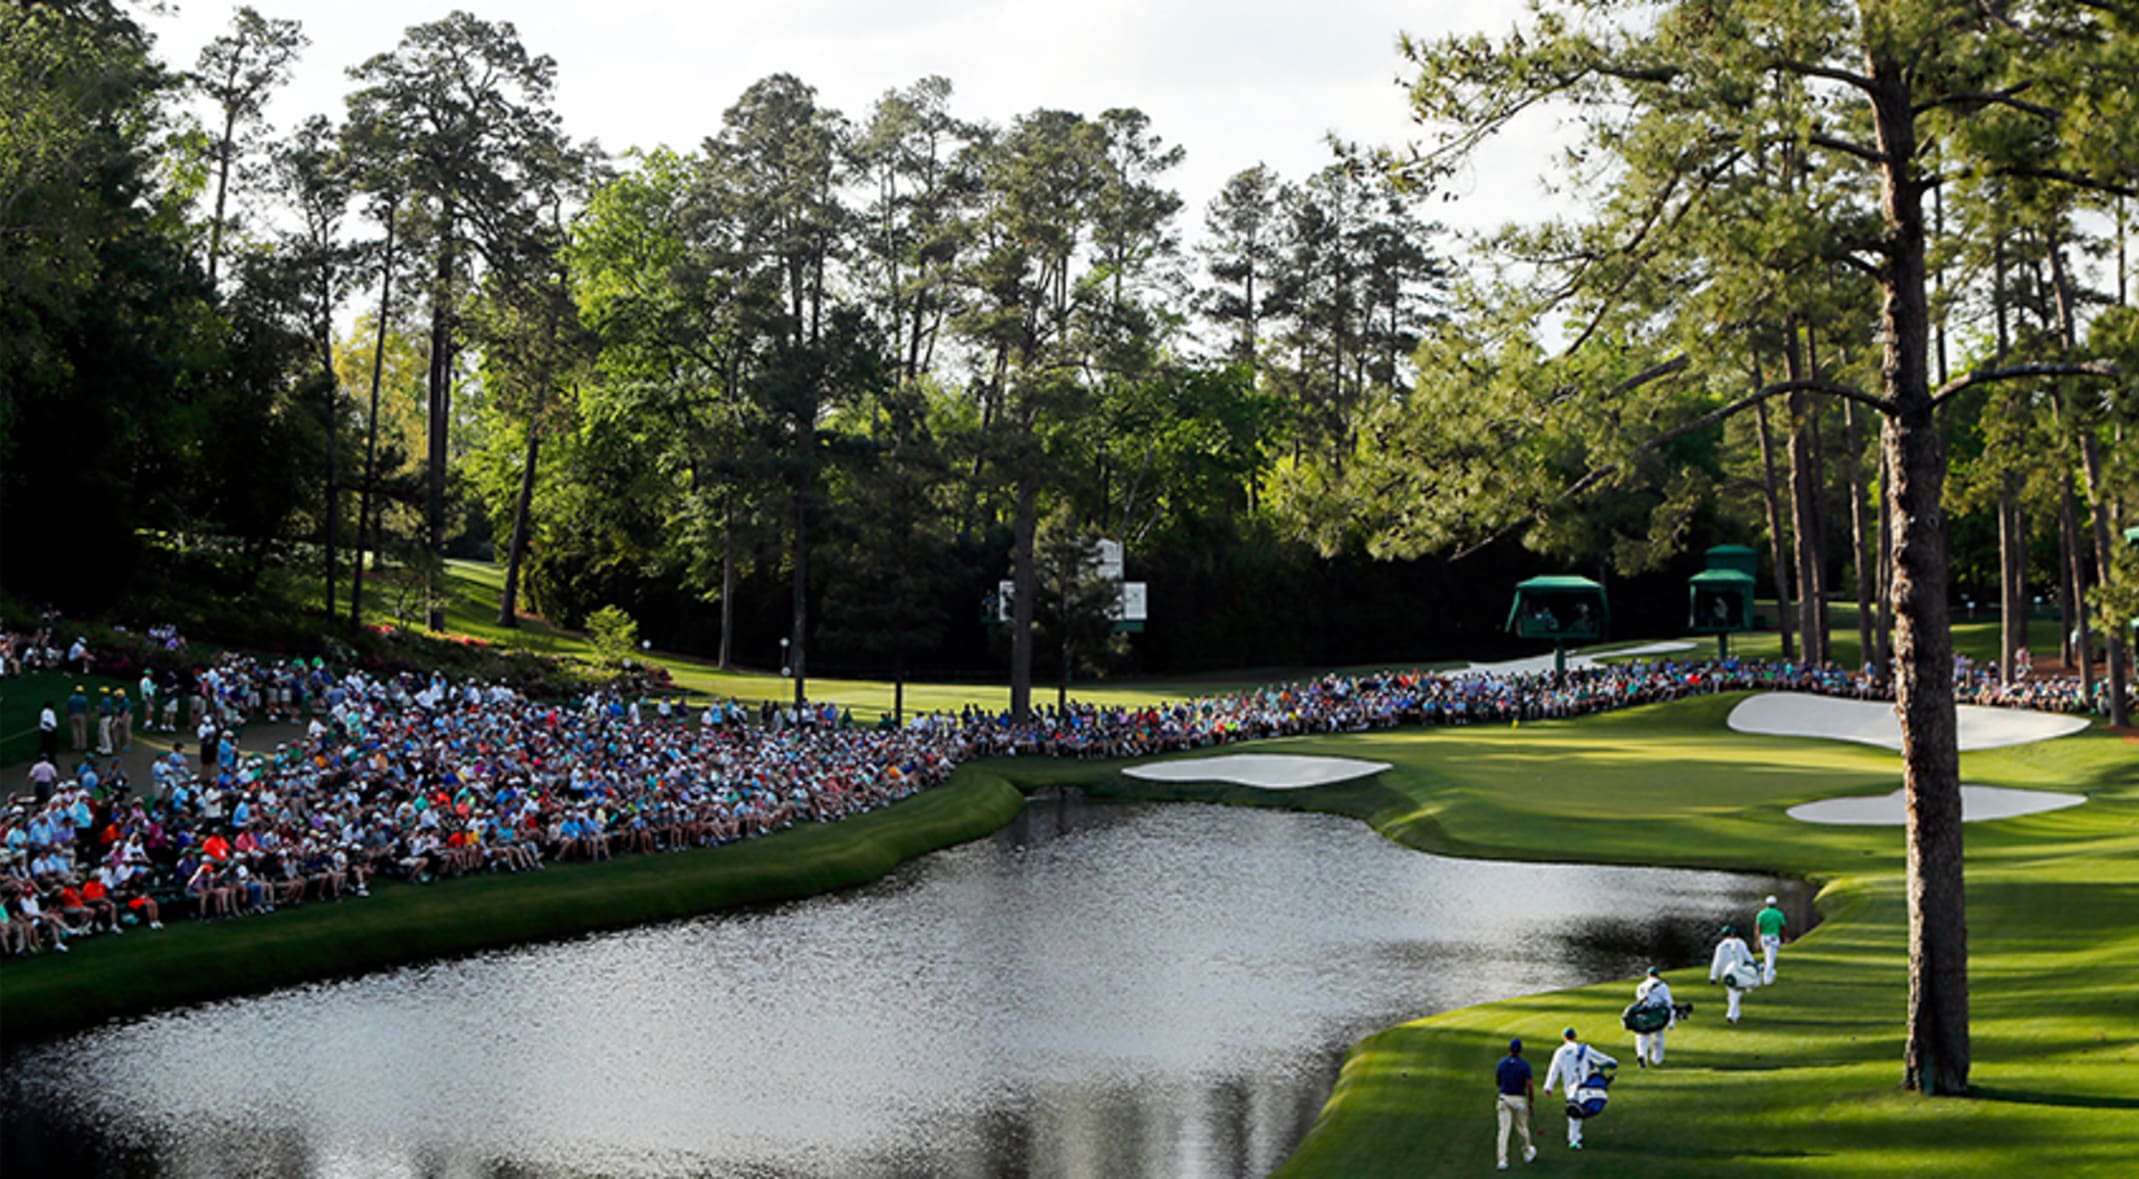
{"x": 48, "y": 721}
{"x": 1655, "y": 992}
{"x": 1572, "y": 1065}
{"x": 1731, "y": 951}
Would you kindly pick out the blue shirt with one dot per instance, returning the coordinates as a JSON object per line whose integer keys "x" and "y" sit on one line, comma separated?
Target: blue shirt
{"x": 1514, "y": 1076}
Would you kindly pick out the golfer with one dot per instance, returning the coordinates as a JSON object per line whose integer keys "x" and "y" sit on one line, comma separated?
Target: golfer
{"x": 1518, "y": 1090}
{"x": 1653, "y": 991}
{"x": 1733, "y": 965}
{"x": 1769, "y": 923}
{"x": 1572, "y": 1065}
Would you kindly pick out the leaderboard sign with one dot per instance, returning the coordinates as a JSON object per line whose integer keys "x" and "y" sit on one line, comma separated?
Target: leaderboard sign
{"x": 1131, "y": 601}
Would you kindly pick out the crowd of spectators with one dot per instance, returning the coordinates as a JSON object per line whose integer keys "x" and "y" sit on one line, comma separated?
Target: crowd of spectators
{"x": 42, "y": 649}
{"x": 419, "y": 779}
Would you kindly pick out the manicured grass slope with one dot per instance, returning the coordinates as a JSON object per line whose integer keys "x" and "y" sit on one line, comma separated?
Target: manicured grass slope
{"x": 1808, "y": 1084}
{"x": 106, "y": 977}
{"x": 23, "y": 697}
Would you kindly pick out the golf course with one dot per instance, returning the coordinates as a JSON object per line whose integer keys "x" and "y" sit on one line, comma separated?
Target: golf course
{"x": 1806, "y": 1085}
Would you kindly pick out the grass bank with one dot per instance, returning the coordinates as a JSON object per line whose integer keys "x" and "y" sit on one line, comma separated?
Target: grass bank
{"x": 107, "y": 977}
{"x": 1809, "y": 1083}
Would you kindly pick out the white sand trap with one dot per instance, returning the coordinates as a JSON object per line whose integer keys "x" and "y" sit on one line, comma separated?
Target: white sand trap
{"x": 1891, "y": 810}
{"x": 1872, "y": 722}
{"x": 1271, "y": 771}
{"x": 1539, "y": 664}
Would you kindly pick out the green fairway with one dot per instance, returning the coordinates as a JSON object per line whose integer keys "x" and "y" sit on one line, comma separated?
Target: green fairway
{"x": 1808, "y": 1084}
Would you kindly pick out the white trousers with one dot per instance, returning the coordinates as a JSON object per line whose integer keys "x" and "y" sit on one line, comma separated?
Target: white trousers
{"x": 1735, "y": 995}
{"x": 1574, "y": 1131}
{"x": 1769, "y": 943}
{"x": 1649, "y": 1046}
{"x": 1514, "y": 1111}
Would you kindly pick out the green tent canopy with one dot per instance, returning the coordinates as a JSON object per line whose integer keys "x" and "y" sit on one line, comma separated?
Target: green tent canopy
{"x": 1559, "y": 608}
{"x": 1733, "y": 558}
{"x": 1719, "y": 601}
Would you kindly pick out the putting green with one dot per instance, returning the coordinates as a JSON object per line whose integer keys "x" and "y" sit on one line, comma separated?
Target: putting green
{"x": 1809, "y": 1083}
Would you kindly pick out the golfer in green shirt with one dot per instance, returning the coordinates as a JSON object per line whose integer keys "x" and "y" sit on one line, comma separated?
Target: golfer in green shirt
{"x": 1769, "y": 922}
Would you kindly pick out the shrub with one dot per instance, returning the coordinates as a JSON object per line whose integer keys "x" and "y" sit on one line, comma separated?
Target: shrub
{"x": 614, "y": 633}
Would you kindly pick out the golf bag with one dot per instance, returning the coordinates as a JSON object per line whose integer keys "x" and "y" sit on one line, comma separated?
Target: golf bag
{"x": 1741, "y": 976}
{"x": 1589, "y": 1100}
{"x": 1643, "y": 1018}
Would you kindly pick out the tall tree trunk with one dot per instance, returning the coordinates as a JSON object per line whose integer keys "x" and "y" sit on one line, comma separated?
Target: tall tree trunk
{"x": 2081, "y": 635}
{"x": 1025, "y": 582}
{"x": 371, "y": 427}
{"x": 509, "y": 601}
{"x": 1936, "y": 1052}
{"x": 227, "y": 151}
{"x": 2091, "y": 464}
{"x": 798, "y": 635}
{"x": 1860, "y": 561}
{"x": 1805, "y": 507}
{"x": 333, "y": 386}
{"x": 1776, "y": 546}
{"x": 2120, "y": 713}
{"x": 439, "y": 388}
{"x": 2012, "y": 577}
{"x": 1885, "y": 638}
{"x": 727, "y": 576}
{"x": 2065, "y": 559}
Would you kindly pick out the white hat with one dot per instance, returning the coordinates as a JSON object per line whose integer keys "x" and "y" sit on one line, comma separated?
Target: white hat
{"x": 1771, "y": 900}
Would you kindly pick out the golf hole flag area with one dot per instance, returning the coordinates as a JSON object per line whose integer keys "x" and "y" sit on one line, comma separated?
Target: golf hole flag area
{"x": 1268, "y": 771}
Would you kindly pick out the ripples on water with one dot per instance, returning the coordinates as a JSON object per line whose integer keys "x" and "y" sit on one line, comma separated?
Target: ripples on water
{"x": 1161, "y": 991}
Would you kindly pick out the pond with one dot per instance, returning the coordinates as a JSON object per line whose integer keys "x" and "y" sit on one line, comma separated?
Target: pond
{"x": 1096, "y": 991}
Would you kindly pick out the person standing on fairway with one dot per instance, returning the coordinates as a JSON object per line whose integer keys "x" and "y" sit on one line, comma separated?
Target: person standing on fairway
{"x": 1733, "y": 965}
{"x": 1653, "y": 995}
{"x": 1769, "y": 923}
{"x": 1572, "y": 1066}
{"x": 1518, "y": 1091}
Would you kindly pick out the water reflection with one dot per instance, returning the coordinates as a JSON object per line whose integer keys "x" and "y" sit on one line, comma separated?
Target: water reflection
{"x": 1096, "y": 992}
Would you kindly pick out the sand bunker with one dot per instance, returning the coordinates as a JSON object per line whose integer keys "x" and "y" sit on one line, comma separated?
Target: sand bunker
{"x": 1539, "y": 664}
{"x": 1872, "y": 722}
{"x": 1891, "y": 810}
{"x": 1271, "y": 771}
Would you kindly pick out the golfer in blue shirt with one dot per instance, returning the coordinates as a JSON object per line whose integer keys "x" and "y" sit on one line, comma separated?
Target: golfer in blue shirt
{"x": 1518, "y": 1090}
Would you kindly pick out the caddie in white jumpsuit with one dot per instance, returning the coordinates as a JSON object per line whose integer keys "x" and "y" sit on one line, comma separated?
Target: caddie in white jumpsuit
{"x": 1653, "y": 991}
{"x": 1733, "y": 962}
{"x": 1572, "y": 1064}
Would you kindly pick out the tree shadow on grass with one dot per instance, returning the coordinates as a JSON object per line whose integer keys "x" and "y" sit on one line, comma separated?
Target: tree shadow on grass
{"x": 2038, "y": 1097}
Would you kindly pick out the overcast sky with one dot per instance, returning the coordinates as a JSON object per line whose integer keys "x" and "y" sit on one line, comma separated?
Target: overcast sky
{"x": 1232, "y": 81}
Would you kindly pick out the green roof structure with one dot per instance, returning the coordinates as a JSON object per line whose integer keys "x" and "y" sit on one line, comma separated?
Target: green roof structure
{"x": 1559, "y": 608}
{"x": 1719, "y": 601}
{"x": 1735, "y": 558}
